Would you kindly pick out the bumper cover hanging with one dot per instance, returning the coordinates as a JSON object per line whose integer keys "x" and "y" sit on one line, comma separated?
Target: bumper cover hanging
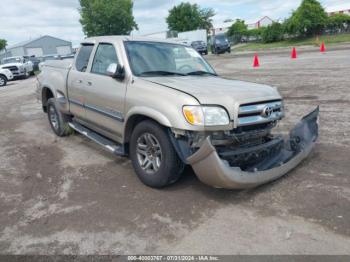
{"x": 214, "y": 171}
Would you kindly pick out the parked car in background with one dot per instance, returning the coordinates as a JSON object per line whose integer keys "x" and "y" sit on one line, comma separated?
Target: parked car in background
{"x": 18, "y": 65}
{"x": 164, "y": 106}
{"x": 36, "y": 61}
{"x": 5, "y": 76}
{"x": 220, "y": 44}
{"x": 200, "y": 47}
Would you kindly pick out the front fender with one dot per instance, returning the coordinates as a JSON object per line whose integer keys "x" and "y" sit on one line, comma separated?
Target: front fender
{"x": 148, "y": 112}
{"x": 214, "y": 171}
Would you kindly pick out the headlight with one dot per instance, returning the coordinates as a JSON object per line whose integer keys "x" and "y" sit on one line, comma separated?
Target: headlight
{"x": 206, "y": 115}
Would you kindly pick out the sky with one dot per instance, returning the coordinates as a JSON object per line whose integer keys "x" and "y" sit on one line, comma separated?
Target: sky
{"x": 21, "y": 20}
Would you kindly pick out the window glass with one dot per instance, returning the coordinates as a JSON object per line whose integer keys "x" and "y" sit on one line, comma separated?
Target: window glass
{"x": 83, "y": 57}
{"x": 105, "y": 55}
{"x": 151, "y": 57}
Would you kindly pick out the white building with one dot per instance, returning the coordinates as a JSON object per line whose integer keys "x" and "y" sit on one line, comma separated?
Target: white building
{"x": 335, "y": 10}
{"x": 184, "y": 37}
{"x": 222, "y": 28}
{"x": 41, "y": 46}
{"x": 263, "y": 22}
{"x": 158, "y": 35}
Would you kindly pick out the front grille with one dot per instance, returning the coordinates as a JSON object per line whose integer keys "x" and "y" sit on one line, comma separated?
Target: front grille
{"x": 260, "y": 113}
{"x": 11, "y": 68}
{"x": 247, "y": 158}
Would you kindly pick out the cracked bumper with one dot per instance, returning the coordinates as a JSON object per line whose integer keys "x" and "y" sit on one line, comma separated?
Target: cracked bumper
{"x": 214, "y": 171}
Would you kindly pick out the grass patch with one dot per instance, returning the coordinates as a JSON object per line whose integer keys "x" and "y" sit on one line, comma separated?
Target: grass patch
{"x": 312, "y": 41}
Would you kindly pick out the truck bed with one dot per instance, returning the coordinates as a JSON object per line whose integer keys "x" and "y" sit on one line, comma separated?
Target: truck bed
{"x": 54, "y": 75}
{"x": 63, "y": 64}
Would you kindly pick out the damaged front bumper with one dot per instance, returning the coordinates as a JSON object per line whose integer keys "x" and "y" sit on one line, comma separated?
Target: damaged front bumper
{"x": 216, "y": 172}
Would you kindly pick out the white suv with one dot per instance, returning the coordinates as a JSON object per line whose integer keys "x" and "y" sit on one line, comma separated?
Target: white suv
{"x": 5, "y": 75}
{"x": 18, "y": 65}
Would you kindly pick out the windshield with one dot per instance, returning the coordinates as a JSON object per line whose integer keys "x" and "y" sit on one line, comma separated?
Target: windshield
{"x": 197, "y": 43}
{"x": 221, "y": 39}
{"x": 152, "y": 58}
{"x": 11, "y": 60}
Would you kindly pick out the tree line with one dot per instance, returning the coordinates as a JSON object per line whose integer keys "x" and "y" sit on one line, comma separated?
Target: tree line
{"x": 115, "y": 17}
{"x": 310, "y": 19}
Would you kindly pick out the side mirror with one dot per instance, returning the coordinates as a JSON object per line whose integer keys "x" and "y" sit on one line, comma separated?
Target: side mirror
{"x": 116, "y": 71}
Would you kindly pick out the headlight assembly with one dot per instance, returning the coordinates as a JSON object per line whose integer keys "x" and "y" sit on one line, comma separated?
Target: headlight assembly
{"x": 206, "y": 115}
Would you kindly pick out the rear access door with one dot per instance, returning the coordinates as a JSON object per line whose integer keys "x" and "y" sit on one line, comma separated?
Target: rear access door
{"x": 76, "y": 82}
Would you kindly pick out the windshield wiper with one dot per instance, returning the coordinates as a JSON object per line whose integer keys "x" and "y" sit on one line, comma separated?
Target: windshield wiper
{"x": 199, "y": 73}
{"x": 161, "y": 73}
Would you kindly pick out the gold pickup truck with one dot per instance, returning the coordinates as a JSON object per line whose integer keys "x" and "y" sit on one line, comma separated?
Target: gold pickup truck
{"x": 163, "y": 105}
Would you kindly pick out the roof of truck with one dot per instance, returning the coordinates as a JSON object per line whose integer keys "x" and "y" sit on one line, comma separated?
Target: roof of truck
{"x": 115, "y": 38}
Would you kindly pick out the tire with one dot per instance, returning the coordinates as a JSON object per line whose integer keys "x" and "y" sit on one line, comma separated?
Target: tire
{"x": 60, "y": 127}
{"x": 170, "y": 168}
{"x": 3, "y": 81}
{"x": 25, "y": 76}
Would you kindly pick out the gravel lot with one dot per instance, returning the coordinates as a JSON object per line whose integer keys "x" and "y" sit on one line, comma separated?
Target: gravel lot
{"x": 68, "y": 196}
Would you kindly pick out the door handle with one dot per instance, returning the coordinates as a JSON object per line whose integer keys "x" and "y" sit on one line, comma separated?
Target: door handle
{"x": 79, "y": 81}
{"x": 89, "y": 83}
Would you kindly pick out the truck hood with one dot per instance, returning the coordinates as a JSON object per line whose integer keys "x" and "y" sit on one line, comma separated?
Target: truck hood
{"x": 211, "y": 90}
{"x": 11, "y": 64}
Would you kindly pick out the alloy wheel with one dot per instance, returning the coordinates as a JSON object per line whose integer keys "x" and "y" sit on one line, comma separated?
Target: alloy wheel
{"x": 149, "y": 153}
{"x": 53, "y": 117}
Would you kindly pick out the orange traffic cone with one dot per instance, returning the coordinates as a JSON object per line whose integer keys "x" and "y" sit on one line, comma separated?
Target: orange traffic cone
{"x": 323, "y": 47}
{"x": 294, "y": 53}
{"x": 256, "y": 61}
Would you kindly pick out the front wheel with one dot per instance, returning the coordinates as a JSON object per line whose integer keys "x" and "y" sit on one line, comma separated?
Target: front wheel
{"x": 3, "y": 81}
{"x": 153, "y": 156}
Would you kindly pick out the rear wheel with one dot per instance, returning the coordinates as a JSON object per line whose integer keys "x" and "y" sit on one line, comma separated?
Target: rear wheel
{"x": 3, "y": 80}
{"x": 59, "y": 122}
{"x": 153, "y": 156}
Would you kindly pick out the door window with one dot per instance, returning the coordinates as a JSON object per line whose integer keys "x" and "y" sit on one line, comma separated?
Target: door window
{"x": 105, "y": 55}
{"x": 83, "y": 57}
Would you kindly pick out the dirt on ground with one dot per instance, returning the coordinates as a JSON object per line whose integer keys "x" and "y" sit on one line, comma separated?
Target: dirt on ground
{"x": 69, "y": 196}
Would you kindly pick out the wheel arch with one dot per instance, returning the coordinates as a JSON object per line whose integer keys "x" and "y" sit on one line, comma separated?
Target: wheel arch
{"x": 4, "y": 76}
{"x": 5, "y": 79}
{"x": 139, "y": 115}
{"x": 46, "y": 94}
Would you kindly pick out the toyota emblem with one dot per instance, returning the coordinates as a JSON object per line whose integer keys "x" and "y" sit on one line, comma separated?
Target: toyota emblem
{"x": 267, "y": 112}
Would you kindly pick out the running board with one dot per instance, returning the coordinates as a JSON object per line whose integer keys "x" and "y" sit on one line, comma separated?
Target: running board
{"x": 103, "y": 141}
